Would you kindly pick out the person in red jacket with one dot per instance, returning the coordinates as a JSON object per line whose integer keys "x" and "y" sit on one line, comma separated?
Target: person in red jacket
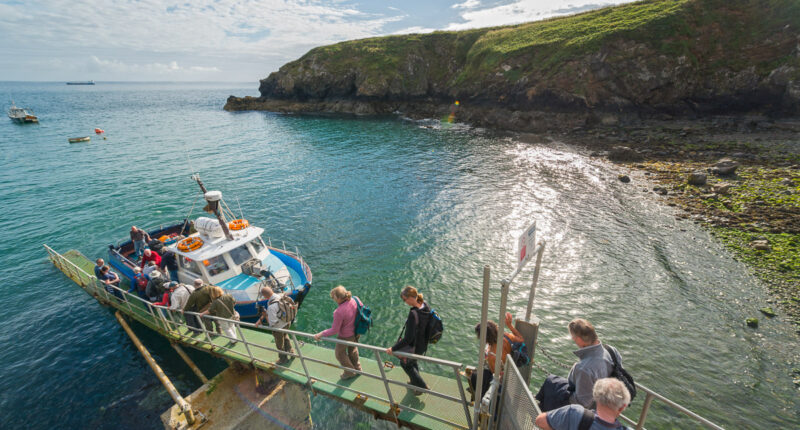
{"x": 166, "y": 298}
{"x": 150, "y": 255}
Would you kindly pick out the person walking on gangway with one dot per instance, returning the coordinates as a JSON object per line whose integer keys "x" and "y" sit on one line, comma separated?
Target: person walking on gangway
{"x": 276, "y": 319}
{"x": 414, "y": 338}
{"x": 344, "y": 322}
{"x": 595, "y": 363}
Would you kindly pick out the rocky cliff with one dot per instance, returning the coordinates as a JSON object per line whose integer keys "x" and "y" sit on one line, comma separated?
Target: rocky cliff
{"x": 659, "y": 58}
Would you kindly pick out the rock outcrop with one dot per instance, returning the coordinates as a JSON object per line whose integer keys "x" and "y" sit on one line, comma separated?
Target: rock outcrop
{"x": 660, "y": 59}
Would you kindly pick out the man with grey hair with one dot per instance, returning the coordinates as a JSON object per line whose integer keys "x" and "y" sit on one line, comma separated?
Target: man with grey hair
{"x": 611, "y": 398}
{"x": 596, "y": 362}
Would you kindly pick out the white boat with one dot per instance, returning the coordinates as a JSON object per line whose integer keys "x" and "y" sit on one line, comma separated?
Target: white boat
{"x": 231, "y": 255}
{"x": 21, "y": 115}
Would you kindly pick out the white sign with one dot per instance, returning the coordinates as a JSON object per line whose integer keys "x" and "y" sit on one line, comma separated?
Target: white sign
{"x": 526, "y": 245}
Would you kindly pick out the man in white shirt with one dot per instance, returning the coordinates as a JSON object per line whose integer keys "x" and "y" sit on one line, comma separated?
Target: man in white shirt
{"x": 273, "y": 316}
{"x": 180, "y": 295}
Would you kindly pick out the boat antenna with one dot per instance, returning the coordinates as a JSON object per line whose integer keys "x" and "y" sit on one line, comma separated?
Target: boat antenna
{"x": 241, "y": 214}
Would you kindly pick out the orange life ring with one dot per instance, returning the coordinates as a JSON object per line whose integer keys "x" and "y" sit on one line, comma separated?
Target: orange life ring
{"x": 238, "y": 224}
{"x": 190, "y": 244}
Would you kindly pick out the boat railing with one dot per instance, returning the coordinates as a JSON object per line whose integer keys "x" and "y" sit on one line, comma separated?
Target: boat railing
{"x": 295, "y": 254}
{"x": 148, "y": 229}
{"x": 174, "y": 321}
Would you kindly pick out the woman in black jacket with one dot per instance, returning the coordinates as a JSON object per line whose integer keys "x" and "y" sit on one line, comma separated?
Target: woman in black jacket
{"x": 414, "y": 339}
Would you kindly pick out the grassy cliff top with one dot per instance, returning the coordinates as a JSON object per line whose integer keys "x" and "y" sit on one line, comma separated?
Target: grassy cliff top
{"x": 710, "y": 33}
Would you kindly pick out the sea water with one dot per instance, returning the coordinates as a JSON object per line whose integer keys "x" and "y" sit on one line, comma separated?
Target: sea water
{"x": 372, "y": 203}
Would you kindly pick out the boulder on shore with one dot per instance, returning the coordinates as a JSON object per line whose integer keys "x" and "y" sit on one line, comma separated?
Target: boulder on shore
{"x": 722, "y": 188}
{"x": 768, "y": 312}
{"x": 760, "y": 245}
{"x": 624, "y": 153}
{"x": 725, "y": 167}
{"x": 696, "y": 178}
{"x": 624, "y": 178}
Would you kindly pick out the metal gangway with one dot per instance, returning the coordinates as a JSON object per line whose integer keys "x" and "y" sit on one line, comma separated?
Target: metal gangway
{"x": 380, "y": 391}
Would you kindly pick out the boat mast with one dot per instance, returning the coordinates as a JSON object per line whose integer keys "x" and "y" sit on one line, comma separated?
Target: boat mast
{"x": 213, "y": 198}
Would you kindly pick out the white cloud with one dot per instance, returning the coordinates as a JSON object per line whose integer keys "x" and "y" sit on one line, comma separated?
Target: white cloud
{"x": 116, "y": 67}
{"x": 522, "y": 11}
{"x": 225, "y": 31}
{"x": 468, "y": 4}
{"x": 415, "y": 30}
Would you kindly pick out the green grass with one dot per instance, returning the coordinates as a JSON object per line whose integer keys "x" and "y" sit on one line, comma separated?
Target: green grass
{"x": 710, "y": 34}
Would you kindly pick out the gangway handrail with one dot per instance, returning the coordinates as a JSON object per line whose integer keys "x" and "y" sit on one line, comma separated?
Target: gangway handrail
{"x": 157, "y": 312}
{"x": 158, "y": 318}
{"x": 639, "y": 425}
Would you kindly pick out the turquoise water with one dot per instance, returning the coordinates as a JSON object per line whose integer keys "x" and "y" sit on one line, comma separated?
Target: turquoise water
{"x": 372, "y": 204}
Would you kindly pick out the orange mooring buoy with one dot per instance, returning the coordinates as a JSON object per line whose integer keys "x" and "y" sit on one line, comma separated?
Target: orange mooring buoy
{"x": 99, "y": 130}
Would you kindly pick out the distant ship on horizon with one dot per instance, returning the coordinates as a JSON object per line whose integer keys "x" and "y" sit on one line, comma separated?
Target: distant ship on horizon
{"x": 81, "y": 83}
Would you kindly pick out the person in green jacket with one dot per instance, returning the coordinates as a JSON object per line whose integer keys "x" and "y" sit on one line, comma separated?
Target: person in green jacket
{"x": 222, "y": 306}
{"x": 199, "y": 301}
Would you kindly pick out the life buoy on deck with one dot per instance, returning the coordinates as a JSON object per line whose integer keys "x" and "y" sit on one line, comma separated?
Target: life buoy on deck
{"x": 238, "y": 224}
{"x": 190, "y": 244}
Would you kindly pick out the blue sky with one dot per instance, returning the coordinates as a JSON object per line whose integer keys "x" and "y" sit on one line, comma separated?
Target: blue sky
{"x": 221, "y": 40}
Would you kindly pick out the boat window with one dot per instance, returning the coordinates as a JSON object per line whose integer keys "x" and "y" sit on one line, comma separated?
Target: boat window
{"x": 258, "y": 245}
{"x": 215, "y": 265}
{"x": 240, "y": 255}
{"x": 190, "y": 265}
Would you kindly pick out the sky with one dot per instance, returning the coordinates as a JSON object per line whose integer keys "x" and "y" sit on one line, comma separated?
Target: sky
{"x": 222, "y": 40}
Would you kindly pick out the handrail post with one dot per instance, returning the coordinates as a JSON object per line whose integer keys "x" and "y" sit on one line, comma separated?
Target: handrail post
{"x": 246, "y": 346}
{"x": 202, "y": 321}
{"x": 535, "y": 280}
{"x": 498, "y": 357}
{"x": 645, "y": 410}
{"x": 302, "y": 361}
{"x": 386, "y": 384}
{"x": 464, "y": 401}
{"x": 481, "y": 349}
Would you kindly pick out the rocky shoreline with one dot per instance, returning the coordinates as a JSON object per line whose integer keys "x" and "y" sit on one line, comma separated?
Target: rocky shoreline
{"x": 738, "y": 177}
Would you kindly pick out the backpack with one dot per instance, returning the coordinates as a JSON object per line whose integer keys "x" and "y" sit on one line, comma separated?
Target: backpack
{"x": 435, "y": 327}
{"x": 287, "y": 310}
{"x": 363, "y": 318}
{"x": 586, "y": 419}
{"x": 621, "y": 374}
{"x": 141, "y": 282}
{"x": 519, "y": 352}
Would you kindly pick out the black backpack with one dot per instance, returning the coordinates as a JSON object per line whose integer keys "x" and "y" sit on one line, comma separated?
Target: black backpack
{"x": 519, "y": 352}
{"x": 620, "y": 373}
{"x": 435, "y": 327}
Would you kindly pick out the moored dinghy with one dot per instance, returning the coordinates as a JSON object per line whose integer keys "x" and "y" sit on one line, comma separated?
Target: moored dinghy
{"x": 231, "y": 255}
{"x": 79, "y": 139}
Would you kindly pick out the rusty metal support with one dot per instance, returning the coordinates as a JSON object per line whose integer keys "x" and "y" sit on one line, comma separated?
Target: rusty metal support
{"x": 191, "y": 364}
{"x": 185, "y": 407}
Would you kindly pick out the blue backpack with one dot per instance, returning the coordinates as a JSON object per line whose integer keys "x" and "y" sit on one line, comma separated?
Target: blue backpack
{"x": 363, "y": 318}
{"x": 519, "y": 352}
